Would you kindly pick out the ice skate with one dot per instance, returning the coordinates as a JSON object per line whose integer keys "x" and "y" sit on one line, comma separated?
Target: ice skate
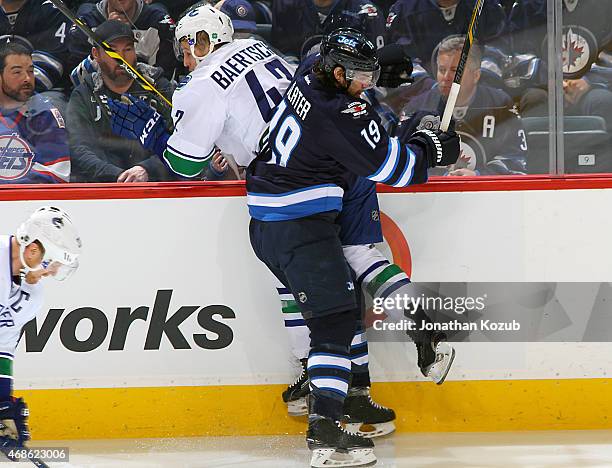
{"x": 333, "y": 446}
{"x": 435, "y": 358}
{"x": 295, "y": 394}
{"x": 365, "y": 417}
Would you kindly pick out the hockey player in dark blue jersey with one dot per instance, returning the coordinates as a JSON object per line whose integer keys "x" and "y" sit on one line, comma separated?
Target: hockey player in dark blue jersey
{"x": 295, "y": 21}
{"x": 360, "y": 229}
{"x": 422, "y": 24}
{"x": 322, "y": 136}
{"x": 37, "y": 24}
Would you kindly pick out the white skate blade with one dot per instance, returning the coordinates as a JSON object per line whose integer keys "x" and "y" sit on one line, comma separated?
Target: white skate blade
{"x": 445, "y": 355}
{"x": 297, "y": 407}
{"x": 324, "y": 458}
{"x": 370, "y": 431}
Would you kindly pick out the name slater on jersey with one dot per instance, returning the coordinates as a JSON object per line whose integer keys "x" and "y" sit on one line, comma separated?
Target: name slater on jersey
{"x": 298, "y": 101}
{"x": 238, "y": 63}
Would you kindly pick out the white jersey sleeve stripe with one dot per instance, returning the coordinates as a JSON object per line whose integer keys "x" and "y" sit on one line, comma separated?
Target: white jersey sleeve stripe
{"x": 388, "y": 167}
{"x": 406, "y": 177}
{"x": 190, "y": 157}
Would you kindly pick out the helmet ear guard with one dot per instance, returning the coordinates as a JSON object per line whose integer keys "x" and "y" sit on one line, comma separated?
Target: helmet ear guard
{"x": 202, "y": 17}
{"x": 54, "y": 230}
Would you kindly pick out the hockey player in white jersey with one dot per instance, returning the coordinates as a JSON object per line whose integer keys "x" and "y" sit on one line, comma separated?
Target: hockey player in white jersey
{"x": 46, "y": 245}
{"x": 225, "y": 102}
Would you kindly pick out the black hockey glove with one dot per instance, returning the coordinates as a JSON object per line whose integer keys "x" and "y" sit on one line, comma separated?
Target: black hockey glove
{"x": 442, "y": 148}
{"x": 423, "y": 127}
{"x": 395, "y": 66}
{"x": 13, "y": 423}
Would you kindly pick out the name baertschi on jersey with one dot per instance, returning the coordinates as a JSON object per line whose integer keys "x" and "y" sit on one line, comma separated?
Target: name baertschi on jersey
{"x": 238, "y": 63}
{"x": 298, "y": 101}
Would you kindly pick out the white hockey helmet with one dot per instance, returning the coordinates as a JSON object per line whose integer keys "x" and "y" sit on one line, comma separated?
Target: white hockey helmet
{"x": 53, "y": 228}
{"x": 205, "y": 18}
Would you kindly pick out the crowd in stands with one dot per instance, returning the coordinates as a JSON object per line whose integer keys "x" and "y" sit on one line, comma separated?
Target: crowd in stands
{"x": 55, "y": 84}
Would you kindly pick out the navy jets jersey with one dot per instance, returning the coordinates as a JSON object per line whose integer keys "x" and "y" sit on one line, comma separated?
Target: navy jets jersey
{"x": 422, "y": 24}
{"x": 33, "y": 144}
{"x": 295, "y": 21}
{"x": 320, "y": 139}
{"x": 490, "y": 129}
{"x": 44, "y": 29}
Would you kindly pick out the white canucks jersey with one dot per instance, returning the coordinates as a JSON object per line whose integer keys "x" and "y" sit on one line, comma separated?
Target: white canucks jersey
{"x": 19, "y": 303}
{"x": 226, "y": 102}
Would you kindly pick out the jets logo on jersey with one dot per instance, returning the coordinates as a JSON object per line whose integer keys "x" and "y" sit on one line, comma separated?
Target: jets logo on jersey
{"x": 429, "y": 122}
{"x": 579, "y": 51}
{"x": 472, "y": 152}
{"x": 369, "y": 9}
{"x": 356, "y": 109}
{"x": 16, "y": 157}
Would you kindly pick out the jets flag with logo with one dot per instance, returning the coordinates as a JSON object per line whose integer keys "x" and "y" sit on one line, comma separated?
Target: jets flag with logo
{"x": 33, "y": 144}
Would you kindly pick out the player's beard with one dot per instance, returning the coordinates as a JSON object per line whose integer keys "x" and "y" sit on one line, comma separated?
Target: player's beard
{"x": 19, "y": 93}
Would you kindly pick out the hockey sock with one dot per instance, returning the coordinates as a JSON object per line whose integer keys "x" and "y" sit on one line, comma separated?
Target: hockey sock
{"x": 329, "y": 364}
{"x": 359, "y": 358}
{"x": 299, "y": 336}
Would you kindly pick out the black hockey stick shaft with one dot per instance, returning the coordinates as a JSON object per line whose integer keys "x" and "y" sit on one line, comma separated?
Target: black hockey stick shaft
{"x": 456, "y": 86}
{"x": 130, "y": 70}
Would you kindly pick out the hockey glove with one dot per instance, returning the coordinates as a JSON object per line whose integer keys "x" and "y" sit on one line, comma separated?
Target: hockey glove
{"x": 424, "y": 127}
{"x": 13, "y": 423}
{"x": 395, "y": 66}
{"x": 442, "y": 148}
{"x": 139, "y": 121}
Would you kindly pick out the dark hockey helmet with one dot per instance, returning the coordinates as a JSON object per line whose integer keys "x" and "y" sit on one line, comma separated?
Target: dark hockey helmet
{"x": 353, "y": 51}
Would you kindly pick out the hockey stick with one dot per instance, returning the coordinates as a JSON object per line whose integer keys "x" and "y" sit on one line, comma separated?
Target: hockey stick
{"x": 454, "y": 91}
{"x": 130, "y": 70}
